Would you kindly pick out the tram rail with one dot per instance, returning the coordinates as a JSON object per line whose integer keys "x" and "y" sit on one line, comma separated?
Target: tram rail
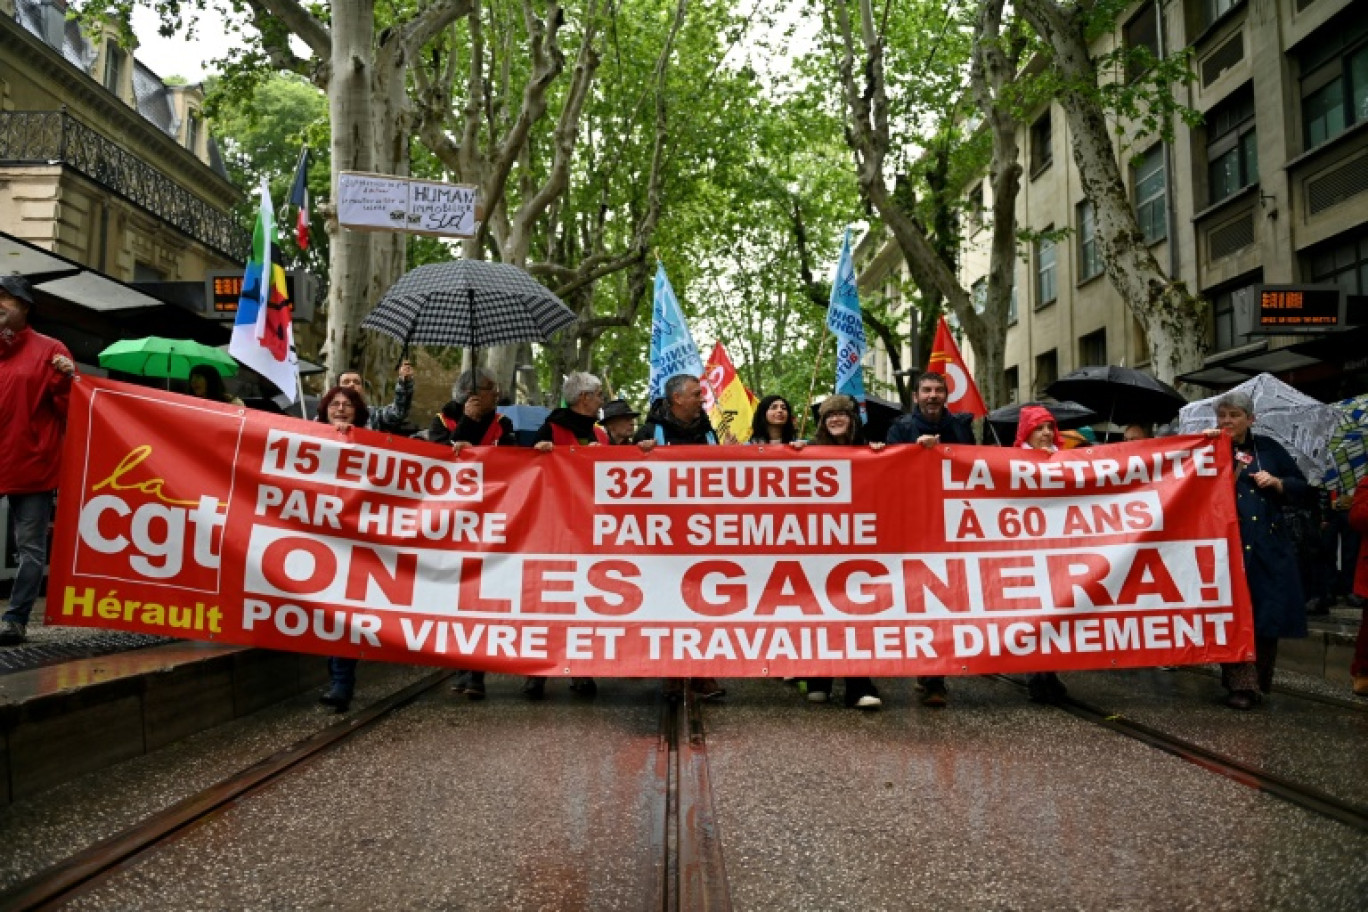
{"x": 1303, "y": 796}
{"x": 68, "y": 878}
{"x": 685, "y": 871}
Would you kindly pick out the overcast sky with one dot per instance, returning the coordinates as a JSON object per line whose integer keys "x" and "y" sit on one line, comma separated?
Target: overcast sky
{"x": 180, "y": 56}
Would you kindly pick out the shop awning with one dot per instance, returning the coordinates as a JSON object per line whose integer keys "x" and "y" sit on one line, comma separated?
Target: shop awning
{"x": 67, "y": 280}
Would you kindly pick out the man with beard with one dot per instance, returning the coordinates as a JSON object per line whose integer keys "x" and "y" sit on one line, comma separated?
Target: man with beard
{"x": 930, "y": 423}
{"x": 387, "y": 418}
{"x": 678, "y": 419}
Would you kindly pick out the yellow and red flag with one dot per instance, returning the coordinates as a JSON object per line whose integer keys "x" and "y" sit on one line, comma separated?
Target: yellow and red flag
{"x": 963, "y": 395}
{"x": 730, "y": 406}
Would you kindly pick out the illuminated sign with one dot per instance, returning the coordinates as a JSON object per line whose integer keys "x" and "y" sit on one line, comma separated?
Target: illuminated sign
{"x": 1300, "y": 308}
{"x": 222, "y": 290}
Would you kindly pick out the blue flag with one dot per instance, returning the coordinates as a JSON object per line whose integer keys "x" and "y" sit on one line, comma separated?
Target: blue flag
{"x": 846, "y": 324}
{"x": 672, "y": 346}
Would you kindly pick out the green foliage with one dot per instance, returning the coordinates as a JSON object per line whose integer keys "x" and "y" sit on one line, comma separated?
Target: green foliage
{"x": 260, "y": 135}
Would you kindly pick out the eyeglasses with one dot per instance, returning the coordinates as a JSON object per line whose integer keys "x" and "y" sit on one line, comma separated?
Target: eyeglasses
{"x": 486, "y": 389}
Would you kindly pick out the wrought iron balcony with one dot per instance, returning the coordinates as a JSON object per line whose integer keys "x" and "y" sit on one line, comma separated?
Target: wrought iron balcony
{"x": 55, "y": 137}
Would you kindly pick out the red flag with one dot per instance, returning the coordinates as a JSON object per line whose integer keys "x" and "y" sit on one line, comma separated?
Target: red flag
{"x": 946, "y": 359}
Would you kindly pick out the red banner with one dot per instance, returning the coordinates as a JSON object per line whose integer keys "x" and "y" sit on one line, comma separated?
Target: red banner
{"x": 211, "y": 522}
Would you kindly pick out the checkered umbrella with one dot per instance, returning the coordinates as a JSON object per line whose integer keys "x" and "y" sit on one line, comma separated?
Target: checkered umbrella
{"x": 1348, "y": 459}
{"x": 468, "y": 304}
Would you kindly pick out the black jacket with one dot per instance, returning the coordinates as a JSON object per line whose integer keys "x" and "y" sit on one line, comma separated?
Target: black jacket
{"x": 676, "y": 434}
{"x": 582, "y": 426}
{"x": 470, "y": 431}
{"x": 954, "y": 427}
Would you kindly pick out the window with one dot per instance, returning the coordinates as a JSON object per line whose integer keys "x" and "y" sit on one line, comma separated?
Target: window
{"x": 1012, "y": 305}
{"x": 1092, "y": 348}
{"x": 978, "y": 293}
{"x": 1232, "y": 147}
{"x": 113, "y": 69}
{"x": 1042, "y": 150}
{"x": 1334, "y": 82}
{"x": 1151, "y": 203}
{"x": 1011, "y": 385}
{"x": 1045, "y": 270}
{"x": 1342, "y": 262}
{"x": 1141, "y": 35}
{"x": 973, "y": 207}
{"x": 192, "y": 131}
{"x": 1215, "y": 9}
{"x": 1089, "y": 255}
{"x": 1234, "y": 312}
{"x": 1047, "y": 371}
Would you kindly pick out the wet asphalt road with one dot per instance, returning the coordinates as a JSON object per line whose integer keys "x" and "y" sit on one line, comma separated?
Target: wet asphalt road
{"x": 993, "y": 803}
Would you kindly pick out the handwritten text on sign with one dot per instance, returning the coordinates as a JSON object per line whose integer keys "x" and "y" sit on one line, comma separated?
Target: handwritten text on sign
{"x": 209, "y": 522}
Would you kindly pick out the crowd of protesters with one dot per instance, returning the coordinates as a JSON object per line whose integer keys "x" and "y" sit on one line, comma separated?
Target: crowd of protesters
{"x": 35, "y": 378}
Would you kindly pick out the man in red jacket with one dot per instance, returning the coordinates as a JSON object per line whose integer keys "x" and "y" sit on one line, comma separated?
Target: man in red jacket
{"x": 35, "y": 380}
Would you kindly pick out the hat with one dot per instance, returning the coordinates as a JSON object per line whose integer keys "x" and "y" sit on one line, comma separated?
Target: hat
{"x": 618, "y": 408}
{"x": 18, "y": 286}
{"x": 837, "y": 403}
{"x": 1032, "y": 417}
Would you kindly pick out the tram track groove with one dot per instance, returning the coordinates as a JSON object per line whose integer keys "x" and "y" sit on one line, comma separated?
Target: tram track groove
{"x": 1357, "y": 705}
{"x": 80, "y": 872}
{"x": 1304, "y": 796}
{"x": 687, "y": 865}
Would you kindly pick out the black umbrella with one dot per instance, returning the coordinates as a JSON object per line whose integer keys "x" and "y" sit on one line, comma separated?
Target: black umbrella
{"x": 468, "y": 304}
{"x": 1002, "y": 423}
{"x": 1121, "y": 395}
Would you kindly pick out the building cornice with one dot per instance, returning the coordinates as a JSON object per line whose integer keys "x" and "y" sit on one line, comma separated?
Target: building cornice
{"x": 115, "y": 115}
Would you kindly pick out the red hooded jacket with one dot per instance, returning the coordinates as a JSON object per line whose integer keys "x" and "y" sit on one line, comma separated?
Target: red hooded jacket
{"x": 33, "y": 408}
{"x": 1032, "y": 417}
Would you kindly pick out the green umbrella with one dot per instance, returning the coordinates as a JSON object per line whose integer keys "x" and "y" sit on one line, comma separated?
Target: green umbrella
{"x": 169, "y": 358}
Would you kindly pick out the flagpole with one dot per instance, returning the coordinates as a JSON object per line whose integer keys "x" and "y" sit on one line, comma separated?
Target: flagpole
{"x": 299, "y": 388}
{"x": 812, "y": 387}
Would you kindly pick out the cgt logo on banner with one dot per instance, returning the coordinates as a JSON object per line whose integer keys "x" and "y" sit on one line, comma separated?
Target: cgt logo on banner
{"x": 201, "y": 521}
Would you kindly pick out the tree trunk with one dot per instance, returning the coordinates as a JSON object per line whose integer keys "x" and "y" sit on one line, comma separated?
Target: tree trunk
{"x": 353, "y": 149}
{"x": 867, "y": 109}
{"x": 993, "y": 70}
{"x": 1175, "y": 321}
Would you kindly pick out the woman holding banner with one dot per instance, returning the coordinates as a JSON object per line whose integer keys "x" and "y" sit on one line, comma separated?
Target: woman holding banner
{"x": 1036, "y": 430}
{"x": 1266, "y": 478}
{"x": 838, "y": 424}
{"x": 773, "y": 422}
{"x": 343, "y": 408}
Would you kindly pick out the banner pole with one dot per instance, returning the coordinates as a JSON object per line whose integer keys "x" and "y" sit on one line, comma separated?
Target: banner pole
{"x": 816, "y": 365}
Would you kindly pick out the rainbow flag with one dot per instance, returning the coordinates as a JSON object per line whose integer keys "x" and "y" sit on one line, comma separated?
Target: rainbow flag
{"x": 263, "y": 334}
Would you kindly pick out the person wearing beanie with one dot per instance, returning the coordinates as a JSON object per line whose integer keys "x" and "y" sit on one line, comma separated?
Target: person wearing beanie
{"x": 838, "y": 424}
{"x": 35, "y": 384}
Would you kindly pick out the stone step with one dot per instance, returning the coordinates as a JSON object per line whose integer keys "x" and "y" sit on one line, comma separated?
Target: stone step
{"x": 63, "y": 720}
